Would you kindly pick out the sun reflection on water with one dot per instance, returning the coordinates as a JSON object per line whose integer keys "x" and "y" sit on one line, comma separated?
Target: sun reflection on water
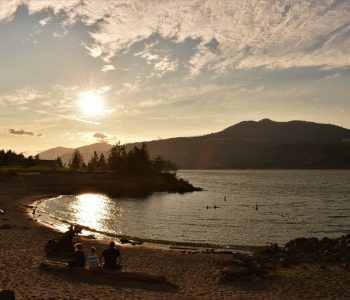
{"x": 90, "y": 210}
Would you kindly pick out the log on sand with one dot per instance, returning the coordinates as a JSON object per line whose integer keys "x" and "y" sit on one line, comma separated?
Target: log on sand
{"x": 111, "y": 275}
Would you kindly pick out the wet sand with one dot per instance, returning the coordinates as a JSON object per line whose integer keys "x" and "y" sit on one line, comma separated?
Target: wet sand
{"x": 195, "y": 273}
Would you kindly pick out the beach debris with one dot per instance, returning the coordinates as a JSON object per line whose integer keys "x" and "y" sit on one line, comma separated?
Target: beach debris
{"x": 6, "y": 226}
{"x": 2, "y": 212}
{"x": 215, "y": 207}
{"x": 132, "y": 242}
{"x": 64, "y": 245}
{"x": 7, "y": 295}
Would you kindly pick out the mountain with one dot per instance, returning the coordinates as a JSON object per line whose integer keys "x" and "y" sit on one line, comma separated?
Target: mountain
{"x": 66, "y": 153}
{"x": 54, "y": 152}
{"x": 251, "y": 144}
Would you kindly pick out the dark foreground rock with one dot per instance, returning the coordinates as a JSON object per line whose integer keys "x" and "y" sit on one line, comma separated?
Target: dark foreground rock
{"x": 297, "y": 251}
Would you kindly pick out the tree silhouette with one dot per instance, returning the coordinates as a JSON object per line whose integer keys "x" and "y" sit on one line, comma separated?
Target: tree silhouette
{"x": 102, "y": 164}
{"x": 138, "y": 160}
{"x": 59, "y": 162}
{"x": 76, "y": 161}
{"x": 117, "y": 159}
{"x": 93, "y": 163}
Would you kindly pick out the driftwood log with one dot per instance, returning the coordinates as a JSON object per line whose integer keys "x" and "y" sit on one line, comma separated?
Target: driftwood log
{"x": 111, "y": 275}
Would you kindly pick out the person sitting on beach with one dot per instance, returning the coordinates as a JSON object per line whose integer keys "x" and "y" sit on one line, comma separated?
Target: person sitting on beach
{"x": 112, "y": 257}
{"x": 79, "y": 256}
{"x": 93, "y": 261}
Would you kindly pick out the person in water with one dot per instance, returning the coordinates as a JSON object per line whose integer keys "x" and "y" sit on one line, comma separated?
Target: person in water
{"x": 112, "y": 257}
{"x": 79, "y": 256}
{"x": 93, "y": 261}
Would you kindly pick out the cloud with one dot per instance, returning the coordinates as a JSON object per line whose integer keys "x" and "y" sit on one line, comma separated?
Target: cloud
{"x": 333, "y": 76}
{"x": 103, "y": 138}
{"x": 162, "y": 64}
{"x": 20, "y": 97}
{"x": 150, "y": 103}
{"x": 45, "y": 21}
{"x": 107, "y": 68}
{"x": 247, "y": 34}
{"x": 21, "y": 132}
{"x": 100, "y": 136}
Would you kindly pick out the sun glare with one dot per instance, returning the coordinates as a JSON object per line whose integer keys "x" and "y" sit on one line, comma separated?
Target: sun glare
{"x": 91, "y": 103}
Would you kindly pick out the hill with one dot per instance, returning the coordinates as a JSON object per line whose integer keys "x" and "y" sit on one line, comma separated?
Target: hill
{"x": 54, "y": 152}
{"x": 256, "y": 145}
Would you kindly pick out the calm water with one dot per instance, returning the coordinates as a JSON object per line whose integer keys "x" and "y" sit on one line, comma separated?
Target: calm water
{"x": 260, "y": 207}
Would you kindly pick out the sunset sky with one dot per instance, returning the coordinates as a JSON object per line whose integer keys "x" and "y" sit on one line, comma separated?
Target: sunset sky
{"x": 78, "y": 72}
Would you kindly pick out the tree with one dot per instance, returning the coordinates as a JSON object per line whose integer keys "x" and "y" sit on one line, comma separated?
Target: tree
{"x": 59, "y": 162}
{"x": 102, "y": 164}
{"x": 117, "y": 158}
{"x": 76, "y": 161}
{"x": 93, "y": 163}
{"x": 139, "y": 160}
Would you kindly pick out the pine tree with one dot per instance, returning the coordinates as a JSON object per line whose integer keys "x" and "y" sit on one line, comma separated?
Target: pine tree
{"x": 93, "y": 163}
{"x": 102, "y": 164}
{"x": 59, "y": 162}
{"x": 117, "y": 158}
{"x": 76, "y": 161}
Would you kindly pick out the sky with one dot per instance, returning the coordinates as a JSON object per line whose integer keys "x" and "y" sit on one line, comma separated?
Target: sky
{"x": 78, "y": 72}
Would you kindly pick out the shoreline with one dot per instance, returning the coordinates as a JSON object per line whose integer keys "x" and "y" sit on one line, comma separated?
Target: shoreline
{"x": 194, "y": 273}
{"x": 103, "y": 236}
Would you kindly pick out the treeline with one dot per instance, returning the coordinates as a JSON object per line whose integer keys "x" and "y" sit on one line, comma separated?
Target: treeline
{"x": 11, "y": 158}
{"x": 137, "y": 160}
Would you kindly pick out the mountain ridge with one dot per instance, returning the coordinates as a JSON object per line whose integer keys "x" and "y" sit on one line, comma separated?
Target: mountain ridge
{"x": 250, "y": 144}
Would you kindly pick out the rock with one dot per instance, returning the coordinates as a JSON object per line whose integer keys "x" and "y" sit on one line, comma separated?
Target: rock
{"x": 233, "y": 272}
{"x": 6, "y": 226}
{"x": 7, "y": 295}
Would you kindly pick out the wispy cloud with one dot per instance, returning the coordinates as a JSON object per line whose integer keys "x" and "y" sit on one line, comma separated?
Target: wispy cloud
{"x": 333, "y": 76}
{"x": 247, "y": 34}
{"x": 20, "y": 97}
{"x": 107, "y": 68}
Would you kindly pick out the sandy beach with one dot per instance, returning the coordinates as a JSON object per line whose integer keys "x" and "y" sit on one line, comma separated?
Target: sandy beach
{"x": 195, "y": 274}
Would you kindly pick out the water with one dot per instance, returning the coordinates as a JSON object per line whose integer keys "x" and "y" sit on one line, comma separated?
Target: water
{"x": 261, "y": 207}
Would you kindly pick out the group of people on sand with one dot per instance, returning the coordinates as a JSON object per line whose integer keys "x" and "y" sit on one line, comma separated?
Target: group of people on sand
{"x": 110, "y": 257}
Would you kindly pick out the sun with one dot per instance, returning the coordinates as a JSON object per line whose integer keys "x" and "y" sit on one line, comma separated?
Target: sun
{"x": 91, "y": 103}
